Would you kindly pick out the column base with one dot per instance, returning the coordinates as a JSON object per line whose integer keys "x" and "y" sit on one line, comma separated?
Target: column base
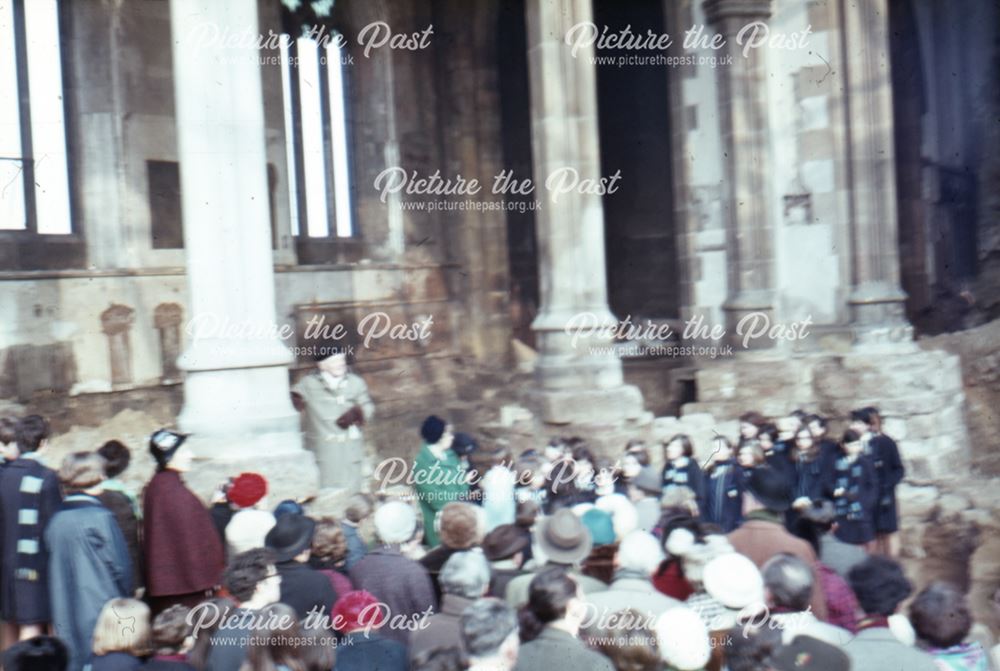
{"x": 878, "y": 314}
{"x": 592, "y": 406}
{"x": 291, "y": 474}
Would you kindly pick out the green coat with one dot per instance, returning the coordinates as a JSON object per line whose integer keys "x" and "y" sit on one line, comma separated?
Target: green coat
{"x": 437, "y": 483}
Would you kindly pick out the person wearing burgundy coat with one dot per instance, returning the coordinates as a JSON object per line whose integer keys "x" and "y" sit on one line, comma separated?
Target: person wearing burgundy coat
{"x": 184, "y": 556}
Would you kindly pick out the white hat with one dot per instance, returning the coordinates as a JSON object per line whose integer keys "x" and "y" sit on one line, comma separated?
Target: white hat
{"x": 640, "y": 551}
{"x": 247, "y": 530}
{"x": 734, "y": 581}
{"x": 683, "y": 639}
{"x": 395, "y": 522}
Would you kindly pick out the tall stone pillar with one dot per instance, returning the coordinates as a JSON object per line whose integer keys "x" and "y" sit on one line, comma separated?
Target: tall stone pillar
{"x": 876, "y": 300}
{"x": 580, "y": 379}
{"x": 236, "y": 393}
{"x": 745, "y": 133}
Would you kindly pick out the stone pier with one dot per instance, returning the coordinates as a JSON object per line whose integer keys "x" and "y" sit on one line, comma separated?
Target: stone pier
{"x": 236, "y": 392}
{"x": 580, "y": 379}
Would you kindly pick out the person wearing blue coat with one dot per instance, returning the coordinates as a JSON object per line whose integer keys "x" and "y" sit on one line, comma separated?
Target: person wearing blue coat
{"x": 680, "y": 468}
{"x": 853, "y": 488}
{"x": 723, "y": 489}
{"x": 889, "y": 471}
{"x": 813, "y": 466}
{"x": 89, "y": 562}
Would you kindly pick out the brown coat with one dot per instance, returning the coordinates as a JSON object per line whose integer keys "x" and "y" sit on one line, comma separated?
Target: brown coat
{"x": 761, "y": 539}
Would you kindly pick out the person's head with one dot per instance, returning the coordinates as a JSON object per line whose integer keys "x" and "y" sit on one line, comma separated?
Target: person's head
{"x": 31, "y": 434}
{"x": 527, "y": 513}
{"x": 553, "y": 595}
{"x": 627, "y": 641}
{"x": 806, "y": 653}
{"x": 788, "y": 426}
{"x": 639, "y": 551}
{"x": 530, "y": 471}
{"x": 329, "y": 544}
{"x": 395, "y": 522}
{"x": 767, "y": 436}
{"x": 335, "y": 364}
{"x": 276, "y": 639}
{"x": 880, "y": 585}
{"x": 357, "y": 611}
{"x": 489, "y": 631}
{"x": 252, "y": 579}
{"x": 816, "y": 521}
{"x": 683, "y": 639}
{"x": 804, "y": 440}
{"x": 290, "y": 539}
{"x": 750, "y": 423}
{"x": 116, "y": 456}
{"x": 723, "y": 448}
{"x": 247, "y": 490}
{"x": 465, "y": 574}
{"x": 940, "y": 615}
{"x": 563, "y": 538}
{"x": 506, "y": 542}
{"x": 461, "y": 525}
{"x": 439, "y": 658}
{"x": 437, "y": 432}
{"x": 170, "y": 452}
{"x": 317, "y": 651}
{"x": 749, "y": 648}
{"x": 288, "y": 507}
{"x": 678, "y": 446}
{"x": 850, "y": 444}
{"x": 8, "y": 439}
{"x": 750, "y": 455}
{"x": 170, "y": 630}
{"x": 359, "y": 508}
{"x": 41, "y": 653}
{"x": 122, "y": 626}
{"x": 817, "y": 425}
{"x": 81, "y": 471}
{"x": 766, "y": 489}
{"x": 638, "y": 449}
{"x": 631, "y": 466}
{"x": 788, "y": 582}
{"x": 862, "y": 420}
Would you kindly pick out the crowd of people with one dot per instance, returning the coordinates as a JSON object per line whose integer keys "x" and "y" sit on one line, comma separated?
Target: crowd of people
{"x": 778, "y": 553}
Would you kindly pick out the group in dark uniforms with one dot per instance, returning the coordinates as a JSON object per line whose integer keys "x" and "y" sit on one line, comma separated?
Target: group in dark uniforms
{"x": 858, "y": 475}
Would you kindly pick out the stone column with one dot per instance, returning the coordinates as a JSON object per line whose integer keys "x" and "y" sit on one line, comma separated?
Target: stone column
{"x": 581, "y": 381}
{"x": 743, "y": 118}
{"x": 876, "y": 300}
{"x": 236, "y": 392}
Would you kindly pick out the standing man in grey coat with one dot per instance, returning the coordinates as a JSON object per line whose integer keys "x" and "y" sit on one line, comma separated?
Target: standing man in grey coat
{"x": 336, "y": 406}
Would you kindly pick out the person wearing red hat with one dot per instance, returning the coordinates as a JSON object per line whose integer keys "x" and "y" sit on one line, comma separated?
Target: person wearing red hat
{"x": 251, "y": 521}
{"x": 358, "y": 616}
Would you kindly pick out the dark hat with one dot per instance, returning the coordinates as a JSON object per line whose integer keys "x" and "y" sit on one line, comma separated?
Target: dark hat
{"x": 290, "y": 535}
{"x": 164, "y": 443}
{"x": 770, "y": 488}
{"x": 463, "y": 444}
{"x": 41, "y": 653}
{"x": 505, "y": 541}
{"x": 432, "y": 429}
{"x": 288, "y": 507}
{"x": 649, "y": 480}
{"x": 806, "y": 653}
{"x": 563, "y": 538}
